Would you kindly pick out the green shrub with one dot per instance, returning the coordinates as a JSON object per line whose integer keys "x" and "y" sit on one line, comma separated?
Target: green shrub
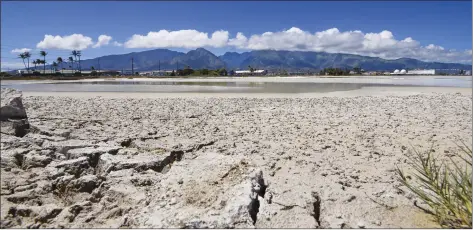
{"x": 445, "y": 188}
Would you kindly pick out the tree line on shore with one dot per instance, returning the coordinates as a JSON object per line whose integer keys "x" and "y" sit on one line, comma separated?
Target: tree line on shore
{"x": 188, "y": 71}
{"x": 340, "y": 71}
{"x": 199, "y": 72}
{"x": 58, "y": 62}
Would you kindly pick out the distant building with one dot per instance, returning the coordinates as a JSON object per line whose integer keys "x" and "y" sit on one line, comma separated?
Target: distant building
{"x": 399, "y": 72}
{"x": 162, "y": 72}
{"x": 427, "y": 72}
{"x": 447, "y": 71}
{"x": 148, "y": 73}
{"x": 249, "y": 73}
{"x": 155, "y": 73}
{"x": 71, "y": 72}
{"x": 370, "y": 73}
{"x": 126, "y": 72}
{"x": 296, "y": 73}
{"x": 468, "y": 73}
{"x": 422, "y": 72}
{"x": 21, "y": 72}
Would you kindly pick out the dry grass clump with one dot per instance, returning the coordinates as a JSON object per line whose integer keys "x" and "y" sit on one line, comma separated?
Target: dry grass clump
{"x": 445, "y": 188}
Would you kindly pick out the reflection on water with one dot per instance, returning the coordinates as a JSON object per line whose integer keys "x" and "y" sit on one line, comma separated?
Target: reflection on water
{"x": 197, "y": 87}
{"x": 176, "y": 86}
{"x": 192, "y": 83}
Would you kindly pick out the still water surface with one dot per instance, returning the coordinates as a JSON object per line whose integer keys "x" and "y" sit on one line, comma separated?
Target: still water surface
{"x": 233, "y": 85}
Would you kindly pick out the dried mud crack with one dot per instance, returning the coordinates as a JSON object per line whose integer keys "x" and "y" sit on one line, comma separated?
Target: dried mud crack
{"x": 199, "y": 163}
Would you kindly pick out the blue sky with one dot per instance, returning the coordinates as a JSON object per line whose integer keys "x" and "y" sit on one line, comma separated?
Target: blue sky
{"x": 446, "y": 26}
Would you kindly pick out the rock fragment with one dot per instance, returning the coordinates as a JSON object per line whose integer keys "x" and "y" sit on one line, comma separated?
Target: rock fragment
{"x": 13, "y": 118}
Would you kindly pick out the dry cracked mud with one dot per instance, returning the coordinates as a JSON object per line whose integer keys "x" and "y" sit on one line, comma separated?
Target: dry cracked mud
{"x": 223, "y": 162}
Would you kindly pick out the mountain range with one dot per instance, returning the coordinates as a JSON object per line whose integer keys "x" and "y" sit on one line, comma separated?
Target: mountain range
{"x": 200, "y": 58}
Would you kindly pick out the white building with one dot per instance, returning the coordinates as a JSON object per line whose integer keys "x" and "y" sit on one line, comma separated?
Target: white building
{"x": 427, "y": 72}
{"x": 149, "y": 73}
{"x": 156, "y": 73}
{"x": 447, "y": 71}
{"x": 397, "y": 72}
{"x": 161, "y": 72}
{"x": 68, "y": 71}
{"x": 247, "y": 72}
{"x": 422, "y": 72}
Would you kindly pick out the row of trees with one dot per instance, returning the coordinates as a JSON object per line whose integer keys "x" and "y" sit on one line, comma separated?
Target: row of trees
{"x": 335, "y": 71}
{"x": 74, "y": 58}
{"x": 204, "y": 72}
{"x": 199, "y": 72}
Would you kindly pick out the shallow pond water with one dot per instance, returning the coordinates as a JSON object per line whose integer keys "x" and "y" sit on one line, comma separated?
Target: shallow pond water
{"x": 236, "y": 85}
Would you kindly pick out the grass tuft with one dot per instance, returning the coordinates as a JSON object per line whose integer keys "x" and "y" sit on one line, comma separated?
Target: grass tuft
{"x": 446, "y": 189}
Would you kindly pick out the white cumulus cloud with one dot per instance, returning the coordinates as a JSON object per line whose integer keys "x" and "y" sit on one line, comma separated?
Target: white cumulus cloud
{"x": 69, "y": 42}
{"x": 382, "y": 44}
{"x": 115, "y": 43}
{"x": 22, "y": 50}
{"x": 178, "y": 39}
{"x": 103, "y": 40}
{"x": 434, "y": 47}
{"x": 239, "y": 41}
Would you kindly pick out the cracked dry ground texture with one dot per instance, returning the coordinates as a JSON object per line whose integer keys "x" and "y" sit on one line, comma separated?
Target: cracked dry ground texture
{"x": 97, "y": 162}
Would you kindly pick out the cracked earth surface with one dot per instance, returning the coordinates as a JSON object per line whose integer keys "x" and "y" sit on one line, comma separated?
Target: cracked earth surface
{"x": 223, "y": 162}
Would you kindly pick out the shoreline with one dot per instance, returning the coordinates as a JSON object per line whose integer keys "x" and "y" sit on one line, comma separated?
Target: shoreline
{"x": 144, "y": 78}
{"x": 364, "y": 91}
{"x": 144, "y": 84}
{"x": 252, "y": 78}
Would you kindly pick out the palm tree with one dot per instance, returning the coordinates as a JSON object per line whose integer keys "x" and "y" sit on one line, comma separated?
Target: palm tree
{"x": 74, "y": 53}
{"x": 59, "y": 60}
{"x": 71, "y": 60}
{"x": 93, "y": 72}
{"x": 43, "y": 54}
{"x": 38, "y": 62}
{"x": 23, "y": 57}
{"x": 79, "y": 53}
{"x": 34, "y": 63}
{"x": 251, "y": 69}
{"x": 42, "y": 62}
{"x": 28, "y": 55}
{"x": 54, "y": 66}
